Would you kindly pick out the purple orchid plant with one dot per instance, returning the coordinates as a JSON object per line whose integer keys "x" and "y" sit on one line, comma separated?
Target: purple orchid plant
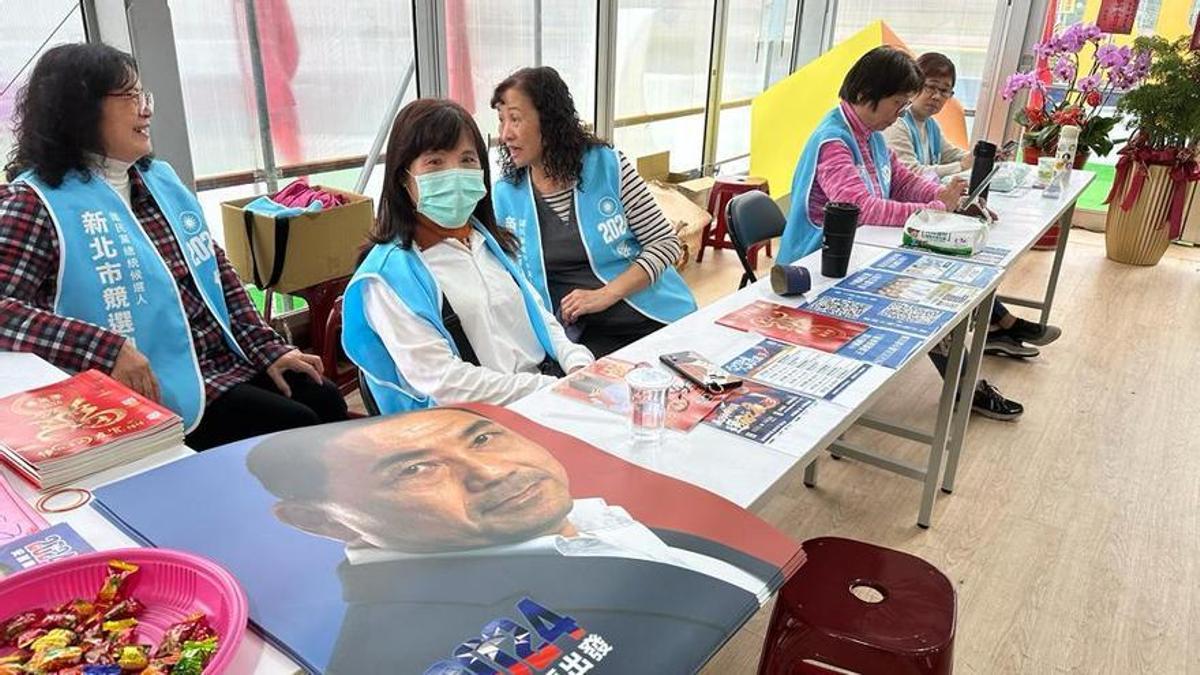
{"x": 1114, "y": 70}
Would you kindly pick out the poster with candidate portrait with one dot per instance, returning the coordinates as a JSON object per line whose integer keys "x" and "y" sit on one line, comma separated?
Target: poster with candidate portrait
{"x": 463, "y": 540}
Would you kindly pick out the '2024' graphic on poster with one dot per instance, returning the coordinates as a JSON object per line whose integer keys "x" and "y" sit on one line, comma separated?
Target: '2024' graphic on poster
{"x": 538, "y": 641}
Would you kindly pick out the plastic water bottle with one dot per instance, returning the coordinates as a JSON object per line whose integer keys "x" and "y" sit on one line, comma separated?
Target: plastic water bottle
{"x": 1064, "y": 161}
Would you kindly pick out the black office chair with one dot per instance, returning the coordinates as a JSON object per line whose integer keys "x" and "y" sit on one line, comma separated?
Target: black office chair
{"x": 754, "y": 219}
{"x": 368, "y": 399}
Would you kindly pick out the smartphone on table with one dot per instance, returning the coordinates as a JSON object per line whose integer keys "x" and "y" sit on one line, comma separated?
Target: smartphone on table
{"x": 700, "y": 371}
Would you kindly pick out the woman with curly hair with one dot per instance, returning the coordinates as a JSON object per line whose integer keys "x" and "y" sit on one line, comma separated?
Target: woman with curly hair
{"x": 593, "y": 242}
{"x": 106, "y": 263}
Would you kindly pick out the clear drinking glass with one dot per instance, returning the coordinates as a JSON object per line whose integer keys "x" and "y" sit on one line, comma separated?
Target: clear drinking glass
{"x": 648, "y": 388}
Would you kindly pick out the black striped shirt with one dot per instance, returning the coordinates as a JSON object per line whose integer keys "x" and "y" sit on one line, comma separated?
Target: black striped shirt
{"x": 660, "y": 244}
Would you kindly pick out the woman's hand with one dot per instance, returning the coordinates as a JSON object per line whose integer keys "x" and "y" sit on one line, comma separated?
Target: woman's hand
{"x": 951, "y": 194}
{"x": 132, "y": 369}
{"x": 580, "y": 301}
{"x": 297, "y": 361}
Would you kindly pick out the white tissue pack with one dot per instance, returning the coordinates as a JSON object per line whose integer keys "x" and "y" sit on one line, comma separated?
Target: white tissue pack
{"x": 942, "y": 232}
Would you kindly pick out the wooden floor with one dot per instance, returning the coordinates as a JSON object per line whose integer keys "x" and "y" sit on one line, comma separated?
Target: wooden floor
{"x": 1073, "y": 535}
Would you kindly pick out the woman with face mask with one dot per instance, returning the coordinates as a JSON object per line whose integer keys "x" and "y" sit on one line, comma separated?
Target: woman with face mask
{"x": 438, "y": 312}
{"x": 106, "y": 263}
{"x": 594, "y": 243}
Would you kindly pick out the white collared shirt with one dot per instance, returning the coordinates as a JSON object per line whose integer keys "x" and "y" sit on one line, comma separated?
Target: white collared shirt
{"x": 492, "y": 311}
{"x": 603, "y": 531}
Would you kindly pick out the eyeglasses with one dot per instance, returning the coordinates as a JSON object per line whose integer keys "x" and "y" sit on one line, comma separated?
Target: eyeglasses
{"x": 934, "y": 89}
{"x": 143, "y": 99}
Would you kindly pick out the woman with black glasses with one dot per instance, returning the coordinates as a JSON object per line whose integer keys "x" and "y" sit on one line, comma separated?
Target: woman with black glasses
{"x": 106, "y": 263}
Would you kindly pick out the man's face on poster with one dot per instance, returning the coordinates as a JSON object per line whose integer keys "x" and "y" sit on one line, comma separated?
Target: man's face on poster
{"x": 440, "y": 480}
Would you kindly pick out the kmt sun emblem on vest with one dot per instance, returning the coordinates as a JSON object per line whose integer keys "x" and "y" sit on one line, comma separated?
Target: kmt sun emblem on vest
{"x": 608, "y": 206}
{"x": 191, "y": 222}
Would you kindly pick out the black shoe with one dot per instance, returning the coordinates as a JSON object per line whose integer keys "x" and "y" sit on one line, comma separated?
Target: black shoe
{"x": 989, "y": 402}
{"x": 1033, "y": 333}
{"x": 1003, "y": 343}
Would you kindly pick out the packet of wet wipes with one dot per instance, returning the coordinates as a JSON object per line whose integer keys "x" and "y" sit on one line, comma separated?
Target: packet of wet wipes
{"x": 942, "y": 232}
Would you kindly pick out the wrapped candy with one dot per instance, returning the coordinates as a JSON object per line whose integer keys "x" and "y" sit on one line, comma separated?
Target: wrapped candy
{"x": 119, "y": 625}
{"x": 21, "y": 623}
{"x": 25, "y": 640}
{"x": 195, "y": 627}
{"x": 55, "y": 658}
{"x": 82, "y": 637}
{"x": 124, "y": 609}
{"x": 59, "y": 620}
{"x": 194, "y": 656}
{"x": 79, "y": 607}
{"x": 59, "y": 637}
{"x": 134, "y": 657}
{"x": 118, "y": 572}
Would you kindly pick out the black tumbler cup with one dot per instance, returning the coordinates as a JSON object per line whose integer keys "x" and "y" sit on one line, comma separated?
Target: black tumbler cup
{"x": 841, "y": 220}
{"x": 985, "y": 158}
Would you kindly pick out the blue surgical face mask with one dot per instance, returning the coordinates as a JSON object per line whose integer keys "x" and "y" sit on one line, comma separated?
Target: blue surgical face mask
{"x": 448, "y": 197}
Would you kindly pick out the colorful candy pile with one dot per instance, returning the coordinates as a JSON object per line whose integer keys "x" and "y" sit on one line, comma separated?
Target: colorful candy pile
{"x": 99, "y": 637}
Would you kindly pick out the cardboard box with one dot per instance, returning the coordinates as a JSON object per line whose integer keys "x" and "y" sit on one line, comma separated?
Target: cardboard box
{"x": 688, "y": 218}
{"x": 697, "y": 190}
{"x": 655, "y": 166}
{"x": 321, "y": 246}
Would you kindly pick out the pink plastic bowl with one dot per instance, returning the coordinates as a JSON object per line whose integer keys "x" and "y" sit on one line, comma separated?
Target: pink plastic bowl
{"x": 171, "y": 584}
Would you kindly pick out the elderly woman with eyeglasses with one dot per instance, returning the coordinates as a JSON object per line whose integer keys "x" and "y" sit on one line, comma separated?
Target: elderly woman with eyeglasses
{"x": 847, "y": 160}
{"x": 106, "y": 263}
{"x": 916, "y": 137}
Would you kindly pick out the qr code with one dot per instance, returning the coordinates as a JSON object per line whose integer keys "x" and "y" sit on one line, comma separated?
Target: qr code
{"x": 840, "y": 307}
{"x": 914, "y": 315}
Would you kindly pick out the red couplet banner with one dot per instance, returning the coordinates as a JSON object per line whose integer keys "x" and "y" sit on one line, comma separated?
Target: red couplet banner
{"x": 1116, "y": 16}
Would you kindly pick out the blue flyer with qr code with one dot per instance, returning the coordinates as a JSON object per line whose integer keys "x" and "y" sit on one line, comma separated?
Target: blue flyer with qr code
{"x": 882, "y": 347}
{"x": 931, "y": 293}
{"x": 937, "y": 269}
{"x": 878, "y": 312}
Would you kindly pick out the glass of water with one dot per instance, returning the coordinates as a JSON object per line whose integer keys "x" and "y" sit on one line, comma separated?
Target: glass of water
{"x": 648, "y": 387}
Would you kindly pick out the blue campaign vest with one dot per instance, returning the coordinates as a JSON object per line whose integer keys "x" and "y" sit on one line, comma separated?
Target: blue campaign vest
{"x": 610, "y": 245}
{"x": 406, "y": 274}
{"x": 801, "y": 235}
{"x": 929, "y": 153}
{"x": 110, "y": 274}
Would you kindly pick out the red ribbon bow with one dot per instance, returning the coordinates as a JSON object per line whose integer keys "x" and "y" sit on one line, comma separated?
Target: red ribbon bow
{"x": 1138, "y": 158}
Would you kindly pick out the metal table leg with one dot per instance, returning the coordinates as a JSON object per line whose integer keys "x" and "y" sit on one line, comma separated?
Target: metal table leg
{"x": 958, "y": 426}
{"x": 1064, "y": 229}
{"x": 941, "y": 430}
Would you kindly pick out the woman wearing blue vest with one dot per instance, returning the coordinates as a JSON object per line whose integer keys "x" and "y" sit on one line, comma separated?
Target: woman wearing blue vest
{"x": 439, "y": 312}
{"x": 594, "y": 243}
{"x": 106, "y": 263}
{"x": 918, "y": 143}
{"x": 847, "y": 160}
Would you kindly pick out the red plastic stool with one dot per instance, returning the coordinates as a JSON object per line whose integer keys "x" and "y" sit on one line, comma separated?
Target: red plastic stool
{"x": 716, "y": 233}
{"x": 325, "y": 318}
{"x": 905, "y": 626}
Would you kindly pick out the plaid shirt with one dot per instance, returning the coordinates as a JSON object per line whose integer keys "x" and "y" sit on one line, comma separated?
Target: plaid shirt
{"x": 28, "y": 277}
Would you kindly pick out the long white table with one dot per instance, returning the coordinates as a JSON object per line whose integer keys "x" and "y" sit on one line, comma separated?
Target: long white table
{"x": 740, "y": 470}
{"x": 746, "y": 472}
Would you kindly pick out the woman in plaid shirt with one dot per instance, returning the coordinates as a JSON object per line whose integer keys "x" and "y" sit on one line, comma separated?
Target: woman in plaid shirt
{"x": 102, "y": 247}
